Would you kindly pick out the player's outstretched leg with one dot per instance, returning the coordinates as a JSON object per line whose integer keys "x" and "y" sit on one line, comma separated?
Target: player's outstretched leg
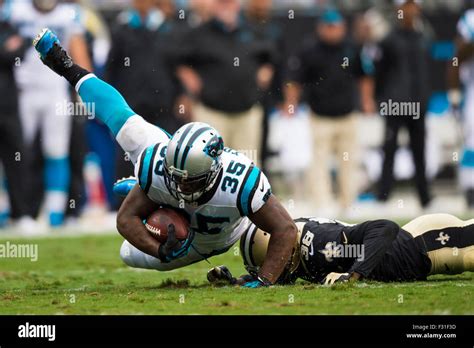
{"x": 131, "y": 131}
{"x": 449, "y": 242}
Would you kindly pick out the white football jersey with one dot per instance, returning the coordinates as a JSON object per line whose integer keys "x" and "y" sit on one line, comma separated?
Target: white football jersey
{"x": 466, "y": 31}
{"x": 63, "y": 20}
{"x": 219, "y": 216}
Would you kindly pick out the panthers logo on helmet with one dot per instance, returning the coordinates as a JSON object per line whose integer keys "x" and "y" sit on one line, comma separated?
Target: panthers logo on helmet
{"x": 215, "y": 146}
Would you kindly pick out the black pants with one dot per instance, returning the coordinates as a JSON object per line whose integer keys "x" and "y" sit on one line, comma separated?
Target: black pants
{"x": 14, "y": 157}
{"x": 417, "y": 132}
{"x": 77, "y": 153}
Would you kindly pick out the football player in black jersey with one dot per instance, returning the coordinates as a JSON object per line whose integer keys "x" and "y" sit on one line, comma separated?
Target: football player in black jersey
{"x": 329, "y": 251}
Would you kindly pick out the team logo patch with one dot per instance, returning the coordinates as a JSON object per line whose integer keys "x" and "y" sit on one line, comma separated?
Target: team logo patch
{"x": 215, "y": 147}
{"x": 443, "y": 238}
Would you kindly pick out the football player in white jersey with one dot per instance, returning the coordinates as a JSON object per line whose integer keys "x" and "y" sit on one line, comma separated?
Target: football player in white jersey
{"x": 44, "y": 97}
{"x": 465, "y": 75}
{"x": 221, "y": 190}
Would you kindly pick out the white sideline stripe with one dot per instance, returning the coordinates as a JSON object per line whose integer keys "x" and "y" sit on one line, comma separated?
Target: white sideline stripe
{"x": 82, "y": 80}
{"x": 64, "y": 233}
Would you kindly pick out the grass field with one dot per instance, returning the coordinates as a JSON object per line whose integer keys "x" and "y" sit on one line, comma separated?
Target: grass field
{"x": 84, "y": 275}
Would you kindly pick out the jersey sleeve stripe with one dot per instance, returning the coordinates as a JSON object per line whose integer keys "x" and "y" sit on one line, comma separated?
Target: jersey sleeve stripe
{"x": 239, "y": 195}
{"x": 252, "y": 191}
{"x": 247, "y": 190}
{"x": 146, "y": 168}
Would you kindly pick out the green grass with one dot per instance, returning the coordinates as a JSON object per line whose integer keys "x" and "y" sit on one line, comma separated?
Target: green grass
{"x": 84, "y": 275}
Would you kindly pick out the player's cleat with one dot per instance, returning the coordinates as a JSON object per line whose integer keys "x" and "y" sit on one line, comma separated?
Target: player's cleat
{"x": 123, "y": 186}
{"x": 51, "y": 52}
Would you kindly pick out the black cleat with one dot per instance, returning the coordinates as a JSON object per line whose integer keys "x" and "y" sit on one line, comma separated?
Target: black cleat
{"x": 51, "y": 52}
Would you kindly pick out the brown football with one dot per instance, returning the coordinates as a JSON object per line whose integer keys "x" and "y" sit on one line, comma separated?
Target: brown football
{"x": 158, "y": 221}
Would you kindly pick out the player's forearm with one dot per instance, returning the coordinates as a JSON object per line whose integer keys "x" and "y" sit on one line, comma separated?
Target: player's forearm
{"x": 134, "y": 231}
{"x": 280, "y": 247}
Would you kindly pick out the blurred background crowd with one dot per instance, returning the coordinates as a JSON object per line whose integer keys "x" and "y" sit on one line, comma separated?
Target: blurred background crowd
{"x": 354, "y": 109}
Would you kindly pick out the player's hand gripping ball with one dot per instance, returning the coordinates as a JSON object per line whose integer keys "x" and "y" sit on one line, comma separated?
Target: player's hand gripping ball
{"x": 171, "y": 229}
{"x": 157, "y": 224}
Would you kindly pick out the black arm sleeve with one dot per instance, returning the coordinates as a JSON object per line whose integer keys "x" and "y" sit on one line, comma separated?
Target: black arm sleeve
{"x": 376, "y": 237}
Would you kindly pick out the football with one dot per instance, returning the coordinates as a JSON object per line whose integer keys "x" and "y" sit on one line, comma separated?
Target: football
{"x": 158, "y": 221}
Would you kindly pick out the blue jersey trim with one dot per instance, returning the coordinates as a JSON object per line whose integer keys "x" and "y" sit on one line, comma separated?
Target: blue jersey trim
{"x": 468, "y": 158}
{"x": 248, "y": 189}
{"x": 146, "y": 167}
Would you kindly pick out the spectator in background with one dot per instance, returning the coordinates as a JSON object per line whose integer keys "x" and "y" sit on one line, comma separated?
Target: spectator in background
{"x": 12, "y": 152}
{"x": 258, "y": 15}
{"x": 141, "y": 66}
{"x": 98, "y": 44}
{"x": 464, "y": 74}
{"x": 327, "y": 69}
{"x": 222, "y": 63}
{"x": 402, "y": 76}
{"x": 44, "y": 102}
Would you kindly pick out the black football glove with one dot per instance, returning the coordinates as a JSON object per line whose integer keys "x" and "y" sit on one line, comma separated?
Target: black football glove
{"x": 174, "y": 248}
{"x": 220, "y": 274}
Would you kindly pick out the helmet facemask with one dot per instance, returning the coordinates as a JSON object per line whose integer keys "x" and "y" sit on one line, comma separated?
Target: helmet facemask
{"x": 192, "y": 161}
{"x": 190, "y": 188}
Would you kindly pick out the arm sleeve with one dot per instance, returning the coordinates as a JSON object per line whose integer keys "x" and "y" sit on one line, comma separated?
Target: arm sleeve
{"x": 376, "y": 237}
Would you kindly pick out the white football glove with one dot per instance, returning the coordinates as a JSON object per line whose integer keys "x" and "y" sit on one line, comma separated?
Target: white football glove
{"x": 334, "y": 277}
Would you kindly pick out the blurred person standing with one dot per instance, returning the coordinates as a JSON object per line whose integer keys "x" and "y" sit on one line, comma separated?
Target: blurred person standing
{"x": 464, "y": 73}
{"x": 328, "y": 70}
{"x": 222, "y": 62}
{"x": 401, "y": 76}
{"x": 141, "y": 66}
{"x": 270, "y": 79}
{"x": 12, "y": 151}
{"x": 97, "y": 38}
{"x": 45, "y": 100}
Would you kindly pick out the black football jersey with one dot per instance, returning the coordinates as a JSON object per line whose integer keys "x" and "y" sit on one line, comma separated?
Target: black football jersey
{"x": 378, "y": 250}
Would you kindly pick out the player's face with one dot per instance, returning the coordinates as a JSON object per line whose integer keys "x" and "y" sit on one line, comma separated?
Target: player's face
{"x": 190, "y": 188}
